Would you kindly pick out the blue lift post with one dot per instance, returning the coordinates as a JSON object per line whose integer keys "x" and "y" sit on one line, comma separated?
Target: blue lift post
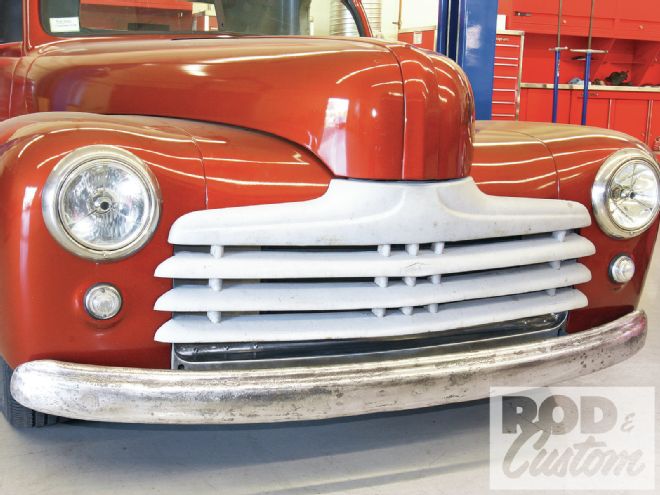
{"x": 557, "y": 49}
{"x": 588, "y": 54}
{"x": 466, "y": 33}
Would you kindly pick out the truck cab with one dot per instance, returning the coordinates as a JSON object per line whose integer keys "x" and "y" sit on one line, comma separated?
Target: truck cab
{"x": 232, "y": 212}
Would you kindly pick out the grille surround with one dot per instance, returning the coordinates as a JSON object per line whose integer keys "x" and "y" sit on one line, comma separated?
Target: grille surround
{"x": 203, "y": 357}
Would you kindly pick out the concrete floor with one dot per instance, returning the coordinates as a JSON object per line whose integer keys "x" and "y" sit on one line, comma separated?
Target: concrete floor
{"x": 443, "y": 450}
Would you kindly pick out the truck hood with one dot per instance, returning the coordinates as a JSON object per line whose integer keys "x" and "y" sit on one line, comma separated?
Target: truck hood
{"x": 365, "y": 108}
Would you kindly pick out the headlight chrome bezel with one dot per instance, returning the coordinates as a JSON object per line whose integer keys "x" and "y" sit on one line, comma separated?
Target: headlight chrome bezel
{"x": 51, "y": 200}
{"x": 600, "y": 192}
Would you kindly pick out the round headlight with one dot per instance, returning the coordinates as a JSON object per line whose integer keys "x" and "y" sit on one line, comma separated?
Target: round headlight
{"x": 101, "y": 203}
{"x": 626, "y": 194}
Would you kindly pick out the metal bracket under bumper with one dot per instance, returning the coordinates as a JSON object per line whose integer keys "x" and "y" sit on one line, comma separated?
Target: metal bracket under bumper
{"x": 327, "y": 389}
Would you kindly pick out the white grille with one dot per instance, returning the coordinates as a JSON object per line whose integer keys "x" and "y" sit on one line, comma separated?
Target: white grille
{"x": 369, "y": 260}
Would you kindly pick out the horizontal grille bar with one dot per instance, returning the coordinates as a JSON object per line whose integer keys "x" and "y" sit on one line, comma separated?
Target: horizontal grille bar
{"x": 343, "y": 264}
{"x": 359, "y": 324}
{"x": 366, "y": 295}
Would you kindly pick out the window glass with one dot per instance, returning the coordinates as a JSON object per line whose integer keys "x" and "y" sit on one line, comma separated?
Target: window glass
{"x": 11, "y": 21}
{"x": 258, "y": 17}
{"x": 332, "y": 18}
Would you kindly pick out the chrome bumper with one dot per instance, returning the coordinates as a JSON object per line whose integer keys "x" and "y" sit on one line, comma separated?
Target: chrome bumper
{"x": 319, "y": 389}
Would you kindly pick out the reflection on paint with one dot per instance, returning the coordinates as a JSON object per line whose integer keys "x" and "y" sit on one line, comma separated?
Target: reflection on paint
{"x": 198, "y": 70}
{"x": 334, "y": 136}
{"x": 28, "y": 198}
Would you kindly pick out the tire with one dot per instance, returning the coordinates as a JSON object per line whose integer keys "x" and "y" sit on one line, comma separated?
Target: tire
{"x": 17, "y": 415}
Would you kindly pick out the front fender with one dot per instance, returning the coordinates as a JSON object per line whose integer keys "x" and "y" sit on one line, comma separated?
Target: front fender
{"x": 42, "y": 285}
{"x": 561, "y": 161}
{"x": 579, "y": 152}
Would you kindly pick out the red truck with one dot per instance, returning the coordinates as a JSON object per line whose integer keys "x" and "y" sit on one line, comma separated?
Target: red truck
{"x": 219, "y": 212}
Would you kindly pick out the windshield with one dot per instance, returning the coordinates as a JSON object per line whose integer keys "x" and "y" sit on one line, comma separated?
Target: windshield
{"x": 257, "y": 17}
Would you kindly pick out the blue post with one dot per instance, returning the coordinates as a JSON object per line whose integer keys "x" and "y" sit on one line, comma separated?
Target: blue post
{"x": 587, "y": 64}
{"x": 555, "y": 91}
{"x": 587, "y": 75}
{"x": 444, "y": 14}
{"x": 466, "y": 33}
{"x": 558, "y": 49}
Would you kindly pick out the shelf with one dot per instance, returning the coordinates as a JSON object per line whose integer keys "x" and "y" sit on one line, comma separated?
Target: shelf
{"x": 592, "y": 87}
{"x": 618, "y": 19}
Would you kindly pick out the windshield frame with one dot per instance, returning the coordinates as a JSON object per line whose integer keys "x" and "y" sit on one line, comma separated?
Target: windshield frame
{"x": 353, "y": 6}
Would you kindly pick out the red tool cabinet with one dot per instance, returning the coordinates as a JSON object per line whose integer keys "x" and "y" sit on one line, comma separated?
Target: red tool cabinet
{"x": 628, "y": 30}
{"x": 618, "y": 19}
{"x": 509, "y": 47}
{"x": 631, "y": 110}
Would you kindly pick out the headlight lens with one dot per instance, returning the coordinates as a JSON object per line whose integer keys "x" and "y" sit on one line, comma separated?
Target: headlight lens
{"x": 101, "y": 203}
{"x": 626, "y": 194}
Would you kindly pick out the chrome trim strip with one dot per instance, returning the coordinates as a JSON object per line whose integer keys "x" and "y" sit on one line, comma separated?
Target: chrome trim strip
{"x": 371, "y": 384}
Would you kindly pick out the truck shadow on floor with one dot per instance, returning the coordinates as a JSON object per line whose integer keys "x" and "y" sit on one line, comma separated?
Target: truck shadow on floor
{"x": 350, "y": 453}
